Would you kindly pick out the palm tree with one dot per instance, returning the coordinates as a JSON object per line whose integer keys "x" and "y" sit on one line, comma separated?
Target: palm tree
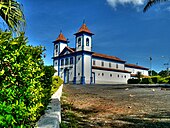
{"x": 12, "y": 13}
{"x": 150, "y": 3}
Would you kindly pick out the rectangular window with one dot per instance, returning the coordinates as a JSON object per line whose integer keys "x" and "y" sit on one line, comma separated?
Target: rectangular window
{"x": 110, "y": 65}
{"x": 71, "y": 60}
{"x": 94, "y": 62}
{"x": 102, "y": 63}
{"x": 66, "y": 61}
{"x": 62, "y": 62}
{"x": 79, "y": 42}
{"x": 117, "y": 66}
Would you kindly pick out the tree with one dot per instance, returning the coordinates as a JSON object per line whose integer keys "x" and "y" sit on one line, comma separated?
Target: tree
{"x": 163, "y": 73}
{"x": 154, "y": 73}
{"x": 139, "y": 75}
{"x": 151, "y": 2}
{"x": 12, "y": 13}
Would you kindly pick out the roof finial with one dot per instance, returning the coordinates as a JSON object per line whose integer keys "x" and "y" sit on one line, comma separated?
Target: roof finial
{"x": 83, "y": 21}
{"x": 60, "y": 31}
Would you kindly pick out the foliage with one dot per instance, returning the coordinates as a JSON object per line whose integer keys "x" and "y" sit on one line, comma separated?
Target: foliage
{"x": 146, "y": 81}
{"x": 153, "y": 73}
{"x": 133, "y": 81}
{"x": 150, "y": 3}
{"x": 162, "y": 80}
{"x": 163, "y": 73}
{"x": 139, "y": 75}
{"x": 23, "y": 86}
{"x": 12, "y": 13}
{"x": 56, "y": 82}
{"x": 155, "y": 79}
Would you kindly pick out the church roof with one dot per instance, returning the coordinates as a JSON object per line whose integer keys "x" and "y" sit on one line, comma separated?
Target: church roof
{"x": 71, "y": 50}
{"x": 107, "y": 57}
{"x": 61, "y": 37}
{"x": 135, "y": 66}
{"x": 85, "y": 29}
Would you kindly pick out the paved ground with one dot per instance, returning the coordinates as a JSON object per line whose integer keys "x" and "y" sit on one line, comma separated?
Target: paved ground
{"x": 127, "y": 106}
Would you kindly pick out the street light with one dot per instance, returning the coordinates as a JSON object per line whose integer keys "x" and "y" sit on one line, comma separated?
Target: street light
{"x": 167, "y": 65}
{"x": 150, "y": 59}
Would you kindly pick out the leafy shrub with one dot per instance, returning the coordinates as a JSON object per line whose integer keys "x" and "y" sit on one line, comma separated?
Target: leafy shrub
{"x": 162, "y": 80}
{"x": 133, "y": 81}
{"x": 155, "y": 79}
{"x": 167, "y": 79}
{"x": 25, "y": 84}
{"x": 146, "y": 81}
{"x": 56, "y": 82}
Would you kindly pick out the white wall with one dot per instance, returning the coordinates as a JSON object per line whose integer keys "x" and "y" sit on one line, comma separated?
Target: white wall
{"x": 78, "y": 69}
{"x": 135, "y": 70}
{"x": 87, "y": 68}
{"x": 106, "y": 64}
{"x": 106, "y": 78}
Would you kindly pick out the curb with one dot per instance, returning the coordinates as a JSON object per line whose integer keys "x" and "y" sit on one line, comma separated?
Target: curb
{"x": 52, "y": 116}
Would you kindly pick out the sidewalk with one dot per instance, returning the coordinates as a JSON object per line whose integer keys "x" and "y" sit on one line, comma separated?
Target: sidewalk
{"x": 52, "y": 116}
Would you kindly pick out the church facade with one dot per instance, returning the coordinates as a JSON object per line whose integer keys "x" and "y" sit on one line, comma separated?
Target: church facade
{"x": 80, "y": 65}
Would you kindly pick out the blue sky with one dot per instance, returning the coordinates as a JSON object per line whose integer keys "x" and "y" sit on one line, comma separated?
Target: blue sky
{"x": 121, "y": 28}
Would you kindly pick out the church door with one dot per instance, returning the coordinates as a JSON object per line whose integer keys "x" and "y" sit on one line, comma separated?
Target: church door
{"x": 66, "y": 76}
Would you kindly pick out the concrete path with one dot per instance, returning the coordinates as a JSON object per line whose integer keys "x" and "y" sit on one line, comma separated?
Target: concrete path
{"x": 52, "y": 116}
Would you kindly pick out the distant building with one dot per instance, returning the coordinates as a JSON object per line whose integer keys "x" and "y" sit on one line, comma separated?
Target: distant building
{"x": 80, "y": 65}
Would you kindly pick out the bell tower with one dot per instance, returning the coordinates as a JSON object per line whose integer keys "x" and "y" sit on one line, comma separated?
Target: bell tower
{"x": 83, "y": 39}
{"x": 59, "y": 44}
{"x": 83, "y": 45}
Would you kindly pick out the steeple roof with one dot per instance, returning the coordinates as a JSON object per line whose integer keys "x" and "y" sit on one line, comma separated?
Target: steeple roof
{"x": 85, "y": 29}
{"x": 61, "y": 37}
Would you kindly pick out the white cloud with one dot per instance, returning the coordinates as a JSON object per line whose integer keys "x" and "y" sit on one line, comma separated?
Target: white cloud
{"x": 114, "y": 3}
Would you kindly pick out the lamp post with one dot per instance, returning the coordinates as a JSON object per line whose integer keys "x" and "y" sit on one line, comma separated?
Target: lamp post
{"x": 150, "y": 59}
{"x": 167, "y": 65}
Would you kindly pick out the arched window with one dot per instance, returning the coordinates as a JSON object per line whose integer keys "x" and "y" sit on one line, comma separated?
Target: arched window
{"x": 87, "y": 41}
{"x": 56, "y": 48}
{"x": 79, "y": 42}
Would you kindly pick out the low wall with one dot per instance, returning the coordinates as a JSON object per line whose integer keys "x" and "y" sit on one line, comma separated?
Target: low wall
{"x": 52, "y": 116}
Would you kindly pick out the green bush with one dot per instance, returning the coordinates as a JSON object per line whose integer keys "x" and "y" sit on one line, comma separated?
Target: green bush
{"x": 146, "y": 81}
{"x": 155, "y": 79}
{"x": 25, "y": 84}
{"x": 56, "y": 82}
{"x": 133, "y": 81}
{"x": 162, "y": 80}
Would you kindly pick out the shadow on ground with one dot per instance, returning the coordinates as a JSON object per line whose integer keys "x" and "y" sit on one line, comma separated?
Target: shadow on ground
{"x": 159, "y": 119}
{"x": 79, "y": 118}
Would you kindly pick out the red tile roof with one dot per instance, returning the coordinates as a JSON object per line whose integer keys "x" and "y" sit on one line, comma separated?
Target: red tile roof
{"x": 84, "y": 28}
{"x": 61, "y": 38}
{"x": 107, "y": 57}
{"x": 135, "y": 66}
{"x": 109, "y": 69}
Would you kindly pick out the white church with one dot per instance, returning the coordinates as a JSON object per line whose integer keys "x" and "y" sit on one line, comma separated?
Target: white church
{"x": 80, "y": 65}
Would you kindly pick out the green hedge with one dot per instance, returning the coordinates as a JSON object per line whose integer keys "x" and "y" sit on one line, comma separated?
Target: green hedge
{"x": 133, "y": 81}
{"x": 25, "y": 84}
{"x": 146, "y": 81}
